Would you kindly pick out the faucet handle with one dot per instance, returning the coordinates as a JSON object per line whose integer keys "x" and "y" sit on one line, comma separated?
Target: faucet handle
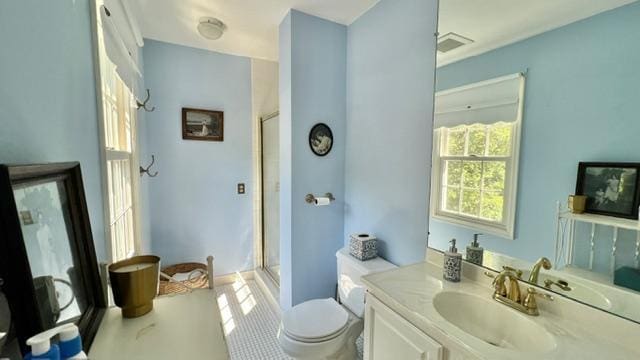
{"x": 499, "y": 288}
{"x": 562, "y": 284}
{"x": 518, "y": 272}
{"x": 530, "y": 300}
{"x": 497, "y": 284}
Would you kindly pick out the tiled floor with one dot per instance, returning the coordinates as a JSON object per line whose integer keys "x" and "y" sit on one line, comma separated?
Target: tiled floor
{"x": 250, "y": 323}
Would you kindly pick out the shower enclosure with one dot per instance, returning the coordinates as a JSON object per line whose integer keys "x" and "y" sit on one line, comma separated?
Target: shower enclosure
{"x": 271, "y": 196}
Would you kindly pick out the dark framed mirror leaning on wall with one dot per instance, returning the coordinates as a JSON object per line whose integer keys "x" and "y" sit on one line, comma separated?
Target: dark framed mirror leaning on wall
{"x": 47, "y": 256}
{"x": 547, "y": 175}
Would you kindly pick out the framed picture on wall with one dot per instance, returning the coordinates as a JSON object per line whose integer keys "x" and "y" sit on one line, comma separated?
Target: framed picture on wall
{"x": 205, "y": 125}
{"x": 611, "y": 188}
{"x": 321, "y": 139}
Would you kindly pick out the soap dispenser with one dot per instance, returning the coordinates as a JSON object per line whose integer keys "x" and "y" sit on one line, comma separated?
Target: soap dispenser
{"x": 42, "y": 348}
{"x": 70, "y": 343}
{"x": 474, "y": 251}
{"x": 69, "y": 347}
{"x": 452, "y": 263}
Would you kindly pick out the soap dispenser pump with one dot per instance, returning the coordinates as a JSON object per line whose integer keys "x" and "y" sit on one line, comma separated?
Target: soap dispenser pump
{"x": 42, "y": 348}
{"x": 452, "y": 263}
{"x": 69, "y": 347}
{"x": 475, "y": 253}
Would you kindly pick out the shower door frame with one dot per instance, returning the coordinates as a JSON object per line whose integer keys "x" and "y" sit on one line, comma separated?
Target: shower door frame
{"x": 263, "y": 260}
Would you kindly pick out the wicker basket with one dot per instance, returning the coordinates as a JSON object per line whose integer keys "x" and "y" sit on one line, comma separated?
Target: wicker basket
{"x": 195, "y": 282}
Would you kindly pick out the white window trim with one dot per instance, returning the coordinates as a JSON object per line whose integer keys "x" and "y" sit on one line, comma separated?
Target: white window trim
{"x": 104, "y": 154}
{"x": 506, "y": 229}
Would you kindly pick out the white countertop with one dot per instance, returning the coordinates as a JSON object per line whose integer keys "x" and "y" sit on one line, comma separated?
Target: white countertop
{"x": 186, "y": 326}
{"x": 580, "y": 331}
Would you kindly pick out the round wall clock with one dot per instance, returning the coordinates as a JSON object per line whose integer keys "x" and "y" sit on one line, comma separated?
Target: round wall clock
{"x": 321, "y": 139}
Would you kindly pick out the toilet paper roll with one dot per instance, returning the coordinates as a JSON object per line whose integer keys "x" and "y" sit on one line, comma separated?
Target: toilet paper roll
{"x": 322, "y": 201}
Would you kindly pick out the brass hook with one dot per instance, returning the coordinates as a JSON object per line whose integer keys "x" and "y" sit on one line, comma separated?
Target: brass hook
{"x": 146, "y": 170}
{"x": 144, "y": 103}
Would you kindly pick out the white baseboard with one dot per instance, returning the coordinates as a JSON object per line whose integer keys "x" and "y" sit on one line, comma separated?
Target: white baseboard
{"x": 231, "y": 278}
{"x": 270, "y": 289}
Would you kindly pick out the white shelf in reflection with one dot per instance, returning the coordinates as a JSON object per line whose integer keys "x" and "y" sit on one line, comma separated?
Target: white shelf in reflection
{"x": 630, "y": 224}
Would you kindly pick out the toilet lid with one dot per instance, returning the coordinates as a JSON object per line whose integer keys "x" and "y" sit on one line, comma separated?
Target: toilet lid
{"x": 315, "y": 319}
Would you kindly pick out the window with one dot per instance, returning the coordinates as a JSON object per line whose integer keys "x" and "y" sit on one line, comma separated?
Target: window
{"x": 119, "y": 142}
{"x": 475, "y": 165}
{"x": 117, "y": 47}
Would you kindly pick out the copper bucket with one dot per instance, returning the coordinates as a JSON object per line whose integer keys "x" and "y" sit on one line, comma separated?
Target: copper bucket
{"x": 134, "y": 283}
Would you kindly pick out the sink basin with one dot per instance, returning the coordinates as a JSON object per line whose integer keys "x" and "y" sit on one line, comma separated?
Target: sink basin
{"x": 493, "y": 323}
{"x": 579, "y": 291}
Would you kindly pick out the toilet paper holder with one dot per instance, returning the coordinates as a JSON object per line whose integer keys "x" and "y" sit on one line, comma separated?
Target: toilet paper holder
{"x": 310, "y": 198}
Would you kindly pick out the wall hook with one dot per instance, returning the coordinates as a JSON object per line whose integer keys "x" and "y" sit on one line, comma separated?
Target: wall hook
{"x": 144, "y": 103}
{"x": 146, "y": 170}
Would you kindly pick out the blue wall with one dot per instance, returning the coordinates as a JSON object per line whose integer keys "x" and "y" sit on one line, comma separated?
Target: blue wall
{"x": 48, "y": 108}
{"x": 580, "y": 105}
{"x": 285, "y": 138}
{"x": 193, "y": 206}
{"x": 391, "y": 60}
{"x": 312, "y": 90}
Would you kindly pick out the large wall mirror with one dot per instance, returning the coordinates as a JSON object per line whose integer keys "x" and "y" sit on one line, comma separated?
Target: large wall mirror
{"x": 526, "y": 91}
{"x": 49, "y": 269}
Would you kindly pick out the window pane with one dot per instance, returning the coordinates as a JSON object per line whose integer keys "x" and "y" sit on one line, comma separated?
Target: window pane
{"x": 477, "y": 137}
{"x": 112, "y": 205}
{"x": 129, "y": 245}
{"x": 453, "y": 172}
{"x": 472, "y": 174}
{"x": 494, "y": 175}
{"x": 500, "y": 140}
{"x": 471, "y": 202}
{"x": 126, "y": 181}
{"x": 492, "y": 205}
{"x": 455, "y": 142}
{"x": 452, "y": 199}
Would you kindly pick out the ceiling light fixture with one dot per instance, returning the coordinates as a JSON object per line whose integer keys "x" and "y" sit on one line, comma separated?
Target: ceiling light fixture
{"x": 211, "y": 28}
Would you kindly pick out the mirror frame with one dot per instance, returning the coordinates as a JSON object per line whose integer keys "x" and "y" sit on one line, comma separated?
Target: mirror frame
{"x": 14, "y": 262}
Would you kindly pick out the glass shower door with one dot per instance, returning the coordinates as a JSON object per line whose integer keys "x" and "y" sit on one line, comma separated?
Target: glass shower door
{"x": 271, "y": 197}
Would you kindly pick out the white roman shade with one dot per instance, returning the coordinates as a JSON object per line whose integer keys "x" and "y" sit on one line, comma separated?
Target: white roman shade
{"x": 486, "y": 102}
{"x": 122, "y": 42}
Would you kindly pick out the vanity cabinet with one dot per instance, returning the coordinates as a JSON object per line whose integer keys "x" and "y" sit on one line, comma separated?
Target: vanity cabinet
{"x": 389, "y": 336}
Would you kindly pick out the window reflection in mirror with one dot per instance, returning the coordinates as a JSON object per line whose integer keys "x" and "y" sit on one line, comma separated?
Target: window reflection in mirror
{"x": 580, "y": 104}
{"x": 46, "y": 228}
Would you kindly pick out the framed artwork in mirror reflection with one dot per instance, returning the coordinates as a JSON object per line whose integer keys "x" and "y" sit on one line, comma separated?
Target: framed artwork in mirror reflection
{"x": 611, "y": 189}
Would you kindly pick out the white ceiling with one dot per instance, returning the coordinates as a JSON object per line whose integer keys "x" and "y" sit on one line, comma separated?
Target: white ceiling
{"x": 252, "y": 25}
{"x": 496, "y": 23}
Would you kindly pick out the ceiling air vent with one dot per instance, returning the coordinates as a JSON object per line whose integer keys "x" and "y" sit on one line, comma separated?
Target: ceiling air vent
{"x": 451, "y": 41}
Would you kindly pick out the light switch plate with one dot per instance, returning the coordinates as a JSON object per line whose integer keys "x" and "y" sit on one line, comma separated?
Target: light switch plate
{"x": 241, "y": 188}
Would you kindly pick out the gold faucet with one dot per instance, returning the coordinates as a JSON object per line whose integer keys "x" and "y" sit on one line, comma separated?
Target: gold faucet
{"x": 535, "y": 272}
{"x": 500, "y": 288}
{"x": 545, "y": 263}
{"x": 512, "y": 297}
{"x": 562, "y": 284}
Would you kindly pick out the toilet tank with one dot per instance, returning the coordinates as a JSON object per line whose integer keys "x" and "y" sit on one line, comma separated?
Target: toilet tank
{"x": 350, "y": 288}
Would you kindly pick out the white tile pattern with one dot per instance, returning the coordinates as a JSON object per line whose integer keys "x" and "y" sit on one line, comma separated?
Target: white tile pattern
{"x": 251, "y": 325}
{"x": 252, "y": 328}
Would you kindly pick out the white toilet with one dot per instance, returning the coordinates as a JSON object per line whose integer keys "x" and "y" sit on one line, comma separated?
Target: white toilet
{"x": 324, "y": 329}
